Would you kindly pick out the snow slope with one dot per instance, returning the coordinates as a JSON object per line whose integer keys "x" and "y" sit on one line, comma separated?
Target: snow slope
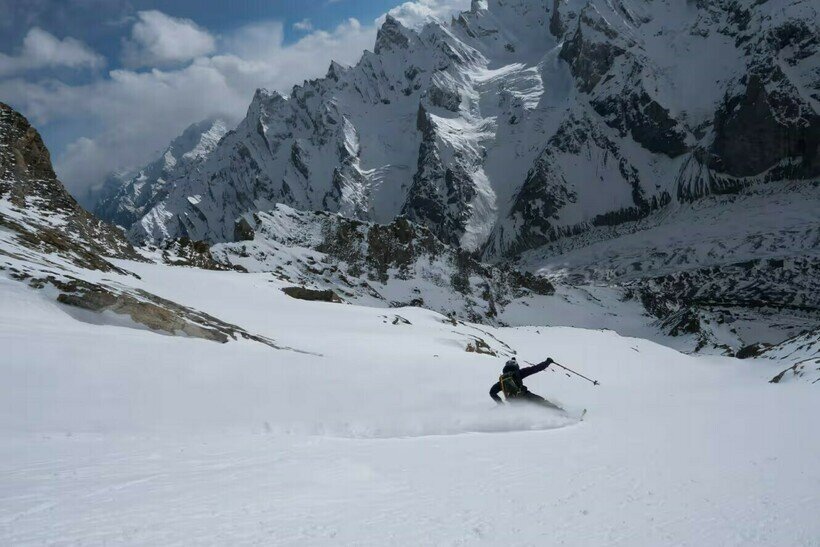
{"x": 383, "y": 433}
{"x": 725, "y": 272}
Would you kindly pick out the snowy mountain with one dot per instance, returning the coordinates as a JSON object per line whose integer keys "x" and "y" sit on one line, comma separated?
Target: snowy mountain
{"x": 667, "y": 151}
{"x": 125, "y": 197}
{"x": 520, "y": 122}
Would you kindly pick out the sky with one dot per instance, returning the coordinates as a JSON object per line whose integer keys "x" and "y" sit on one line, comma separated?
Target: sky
{"x": 108, "y": 83}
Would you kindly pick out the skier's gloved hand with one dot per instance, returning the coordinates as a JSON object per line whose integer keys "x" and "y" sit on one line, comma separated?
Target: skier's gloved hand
{"x": 549, "y": 361}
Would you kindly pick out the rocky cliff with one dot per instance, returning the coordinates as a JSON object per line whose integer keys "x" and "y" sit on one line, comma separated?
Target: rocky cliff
{"x": 38, "y": 212}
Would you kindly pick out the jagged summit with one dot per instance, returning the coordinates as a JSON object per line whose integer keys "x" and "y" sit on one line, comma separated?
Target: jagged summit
{"x": 392, "y": 35}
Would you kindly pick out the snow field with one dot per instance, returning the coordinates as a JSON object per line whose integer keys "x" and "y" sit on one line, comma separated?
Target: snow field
{"x": 383, "y": 433}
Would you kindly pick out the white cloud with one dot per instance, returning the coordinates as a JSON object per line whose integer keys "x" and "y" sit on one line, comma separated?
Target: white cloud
{"x": 158, "y": 39}
{"x": 86, "y": 160}
{"x": 417, "y": 12}
{"x": 135, "y": 113}
{"x": 44, "y": 50}
{"x": 304, "y": 25}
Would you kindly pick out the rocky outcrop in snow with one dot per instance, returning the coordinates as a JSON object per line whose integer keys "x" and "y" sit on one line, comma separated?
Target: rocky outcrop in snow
{"x": 37, "y": 212}
{"x": 395, "y": 264}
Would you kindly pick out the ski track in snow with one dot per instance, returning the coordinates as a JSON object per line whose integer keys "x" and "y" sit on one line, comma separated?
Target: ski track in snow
{"x": 114, "y": 435}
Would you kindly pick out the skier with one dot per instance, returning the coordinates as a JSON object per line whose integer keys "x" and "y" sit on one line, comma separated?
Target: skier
{"x": 512, "y": 385}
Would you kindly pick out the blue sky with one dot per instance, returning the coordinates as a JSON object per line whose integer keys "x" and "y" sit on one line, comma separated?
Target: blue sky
{"x": 109, "y": 82}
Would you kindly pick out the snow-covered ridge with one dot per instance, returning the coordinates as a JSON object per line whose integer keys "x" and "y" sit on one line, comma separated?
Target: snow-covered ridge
{"x": 126, "y": 197}
{"x": 520, "y": 122}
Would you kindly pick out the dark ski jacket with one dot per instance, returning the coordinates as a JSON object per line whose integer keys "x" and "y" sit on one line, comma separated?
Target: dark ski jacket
{"x": 519, "y": 377}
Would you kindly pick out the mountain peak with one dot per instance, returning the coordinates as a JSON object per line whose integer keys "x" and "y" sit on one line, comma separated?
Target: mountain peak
{"x": 335, "y": 71}
{"x": 23, "y": 152}
{"x": 392, "y": 35}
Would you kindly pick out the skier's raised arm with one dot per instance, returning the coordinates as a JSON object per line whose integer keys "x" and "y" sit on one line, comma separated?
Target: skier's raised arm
{"x": 529, "y": 371}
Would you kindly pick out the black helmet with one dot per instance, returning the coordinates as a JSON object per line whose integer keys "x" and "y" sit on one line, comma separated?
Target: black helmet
{"x": 511, "y": 365}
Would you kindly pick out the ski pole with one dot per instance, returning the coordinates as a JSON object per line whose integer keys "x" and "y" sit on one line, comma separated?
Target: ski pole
{"x": 594, "y": 382}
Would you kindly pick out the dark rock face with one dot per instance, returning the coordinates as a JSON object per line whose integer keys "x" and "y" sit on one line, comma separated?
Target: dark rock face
{"x": 50, "y": 218}
{"x": 752, "y": 350}
{"x": 590, "y": 60}
{"x": 756, "y": 130}
{"x": 24, "y": 155}
{"x": 444, "y": 98}
{"x": 391, "y": 35}
{"x": 149, "y": 310}
{"x": 424, "y": 204}
{"x": 243, "y": 231}
{"x": 557, "y": 27}
{"x": 687, "y": 302}
{"x": 192, "y": 254}
{"x": 794, "y": 285}
{"x": 645, "y": 120}
{"x": 440, "y": 195}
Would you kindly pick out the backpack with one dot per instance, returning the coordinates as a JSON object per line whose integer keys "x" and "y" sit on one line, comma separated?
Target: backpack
{"x": 509, "y": 385}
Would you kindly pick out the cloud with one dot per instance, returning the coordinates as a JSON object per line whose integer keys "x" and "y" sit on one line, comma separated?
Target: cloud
{"x": 158, "y": 39}
{"x": 41, "y": 49}
{"x": 416, "y": 13}
{"x": 85, "y": 159}
{"x": 304, "y": 25}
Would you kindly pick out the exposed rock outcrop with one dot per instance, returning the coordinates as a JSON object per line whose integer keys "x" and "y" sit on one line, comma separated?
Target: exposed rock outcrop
{"x": 39, "y": 211}
{"x": 396, "y": 264}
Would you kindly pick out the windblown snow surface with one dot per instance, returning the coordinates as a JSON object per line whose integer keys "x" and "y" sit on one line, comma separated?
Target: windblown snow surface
{"x": 377, "y": 429}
